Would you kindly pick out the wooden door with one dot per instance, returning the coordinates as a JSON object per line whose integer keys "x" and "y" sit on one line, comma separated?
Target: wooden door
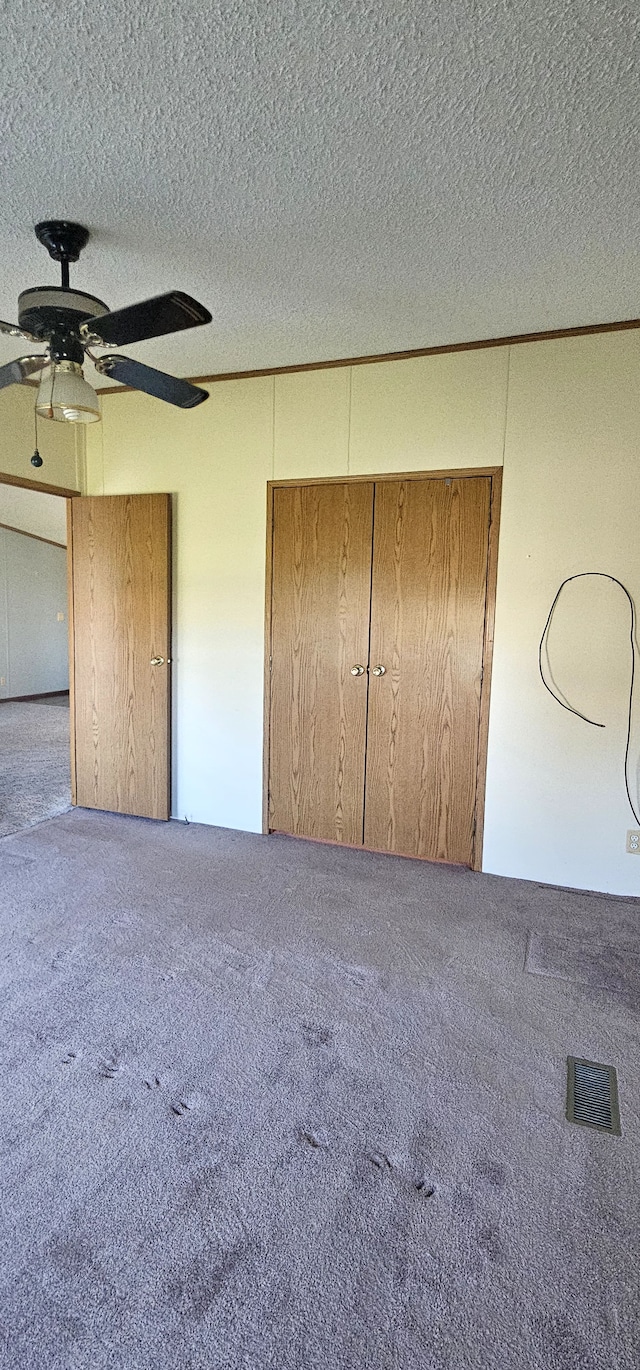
{"x": 430, "y": 562}
{"x": 120, "y": 619}
{"x": 321, "y": 581}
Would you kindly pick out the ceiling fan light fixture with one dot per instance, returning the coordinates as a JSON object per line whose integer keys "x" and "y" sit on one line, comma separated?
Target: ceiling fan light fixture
{"x": 66, "y": 396}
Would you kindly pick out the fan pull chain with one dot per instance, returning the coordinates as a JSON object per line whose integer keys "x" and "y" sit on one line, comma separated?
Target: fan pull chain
{"x": 36, "y": 459}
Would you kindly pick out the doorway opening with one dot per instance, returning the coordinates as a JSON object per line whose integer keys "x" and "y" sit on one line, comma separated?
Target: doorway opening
{"x": 35, "y": 769}
{"x": 112, "y": 613}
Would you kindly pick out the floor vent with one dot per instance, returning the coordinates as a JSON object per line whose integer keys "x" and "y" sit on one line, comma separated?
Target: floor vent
{"x": 592, "y": 1095}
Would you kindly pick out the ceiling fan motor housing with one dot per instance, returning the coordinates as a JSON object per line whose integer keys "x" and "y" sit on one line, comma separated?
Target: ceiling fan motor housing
{"x": 54, "y": 315}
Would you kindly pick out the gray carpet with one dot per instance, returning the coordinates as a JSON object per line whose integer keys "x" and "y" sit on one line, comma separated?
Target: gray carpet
{"x": 270, "y": 1105}
{"x": 591, "y": 962}
{"x": 34, "y": 763}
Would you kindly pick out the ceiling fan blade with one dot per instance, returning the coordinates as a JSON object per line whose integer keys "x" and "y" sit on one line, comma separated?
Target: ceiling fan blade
{"x": 20, "y": 370}
{"x": 149, "y": 319}
{"x": 15, "y": 332}
{"x": 152, "y": 382}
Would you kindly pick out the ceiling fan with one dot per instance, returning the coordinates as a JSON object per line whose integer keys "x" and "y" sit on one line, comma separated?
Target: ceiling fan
{"x": 71, "y": 323}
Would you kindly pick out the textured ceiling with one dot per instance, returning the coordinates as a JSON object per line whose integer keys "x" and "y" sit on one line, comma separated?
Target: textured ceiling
{"x": 331, "y": 177}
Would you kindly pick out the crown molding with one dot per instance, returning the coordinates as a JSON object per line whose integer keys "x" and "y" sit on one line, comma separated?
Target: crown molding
{"x": 515, "y": 339}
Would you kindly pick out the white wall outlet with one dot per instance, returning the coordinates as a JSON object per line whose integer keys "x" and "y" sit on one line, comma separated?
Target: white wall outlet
{"x": 633, "y": 841}
{"x": 3, "y": 680}
{"x": 60, "y": 618}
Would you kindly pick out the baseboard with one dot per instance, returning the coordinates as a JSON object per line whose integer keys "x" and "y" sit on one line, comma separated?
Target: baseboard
{"x": 24, "y": 699}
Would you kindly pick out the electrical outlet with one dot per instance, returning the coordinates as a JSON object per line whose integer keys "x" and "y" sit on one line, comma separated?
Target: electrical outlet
{"x": 3, "y": 680}
{"x": 633, "y": 841}
{"x": 60, "y": 618}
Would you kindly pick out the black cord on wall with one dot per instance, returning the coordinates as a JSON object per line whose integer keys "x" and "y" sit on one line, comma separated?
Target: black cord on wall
{"x": 632, "y": 636}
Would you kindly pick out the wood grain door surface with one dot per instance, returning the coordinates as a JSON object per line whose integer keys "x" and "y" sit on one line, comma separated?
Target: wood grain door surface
{"x": 430, "y": 556}
{"x": 321, "y": 580}
{"x": 120, "y": 591}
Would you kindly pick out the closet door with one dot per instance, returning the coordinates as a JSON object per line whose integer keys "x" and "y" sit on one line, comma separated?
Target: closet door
{"x": 321, "y": 585}
{"x": 430, "y": 555}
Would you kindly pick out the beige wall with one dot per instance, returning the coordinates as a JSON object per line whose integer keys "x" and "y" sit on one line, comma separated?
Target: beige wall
{"x": 61, "y": 445}
{"x": 565, "y": 417}
{"x": 556, "y": 806}
{"x": 216, "y": 460}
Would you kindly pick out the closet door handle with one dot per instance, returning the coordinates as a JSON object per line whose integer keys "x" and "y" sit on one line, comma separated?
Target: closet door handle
{"x": 379, "y": 670}
{"x": 357, "y": 670}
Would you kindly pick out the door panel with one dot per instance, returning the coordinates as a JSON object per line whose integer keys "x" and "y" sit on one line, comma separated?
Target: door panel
{"x": 427, "y": 629}
{"x": 319, "y": 630}
{"x": 120, "y": 590}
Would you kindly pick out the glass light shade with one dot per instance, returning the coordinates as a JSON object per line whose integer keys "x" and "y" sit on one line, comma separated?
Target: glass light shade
{"x": 65, "y": 395}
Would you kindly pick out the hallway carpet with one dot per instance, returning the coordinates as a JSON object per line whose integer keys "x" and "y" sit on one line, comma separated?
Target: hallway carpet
{"x": 34, "y": 762}
{"x": 271, "y": 1105}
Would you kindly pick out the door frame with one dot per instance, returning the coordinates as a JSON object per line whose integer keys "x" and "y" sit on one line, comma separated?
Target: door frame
{"x": 495, "y": 474}
{"x": 67, "y": 494}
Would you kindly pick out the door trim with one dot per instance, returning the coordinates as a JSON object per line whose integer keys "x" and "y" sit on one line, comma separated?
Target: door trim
{"x": 266, "y": 726}
{"x": 495, "y": 474}
{"x": 25, "y": 484}
{"x": 71, "y": 619}
{"x": 455, "y": 473}
{"x": 487, "y": 663}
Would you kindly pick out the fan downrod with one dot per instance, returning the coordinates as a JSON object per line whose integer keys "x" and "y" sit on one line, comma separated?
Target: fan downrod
{"x": 64, "y": 242}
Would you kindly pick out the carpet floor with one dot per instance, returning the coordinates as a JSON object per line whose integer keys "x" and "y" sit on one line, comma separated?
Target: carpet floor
{"x": 34, "y": 762}
{"x": 272, "y": 1105}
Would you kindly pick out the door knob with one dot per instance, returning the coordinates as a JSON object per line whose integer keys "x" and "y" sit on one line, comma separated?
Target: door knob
{"x": 157, "y": 661}
{"x": 379, "y": 670}
{"x": 357, "y": 670}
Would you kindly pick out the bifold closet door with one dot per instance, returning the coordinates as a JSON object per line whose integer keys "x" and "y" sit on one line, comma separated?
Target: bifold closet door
{"x": 430, "y": 561}
{"x": 321, "y": 585}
